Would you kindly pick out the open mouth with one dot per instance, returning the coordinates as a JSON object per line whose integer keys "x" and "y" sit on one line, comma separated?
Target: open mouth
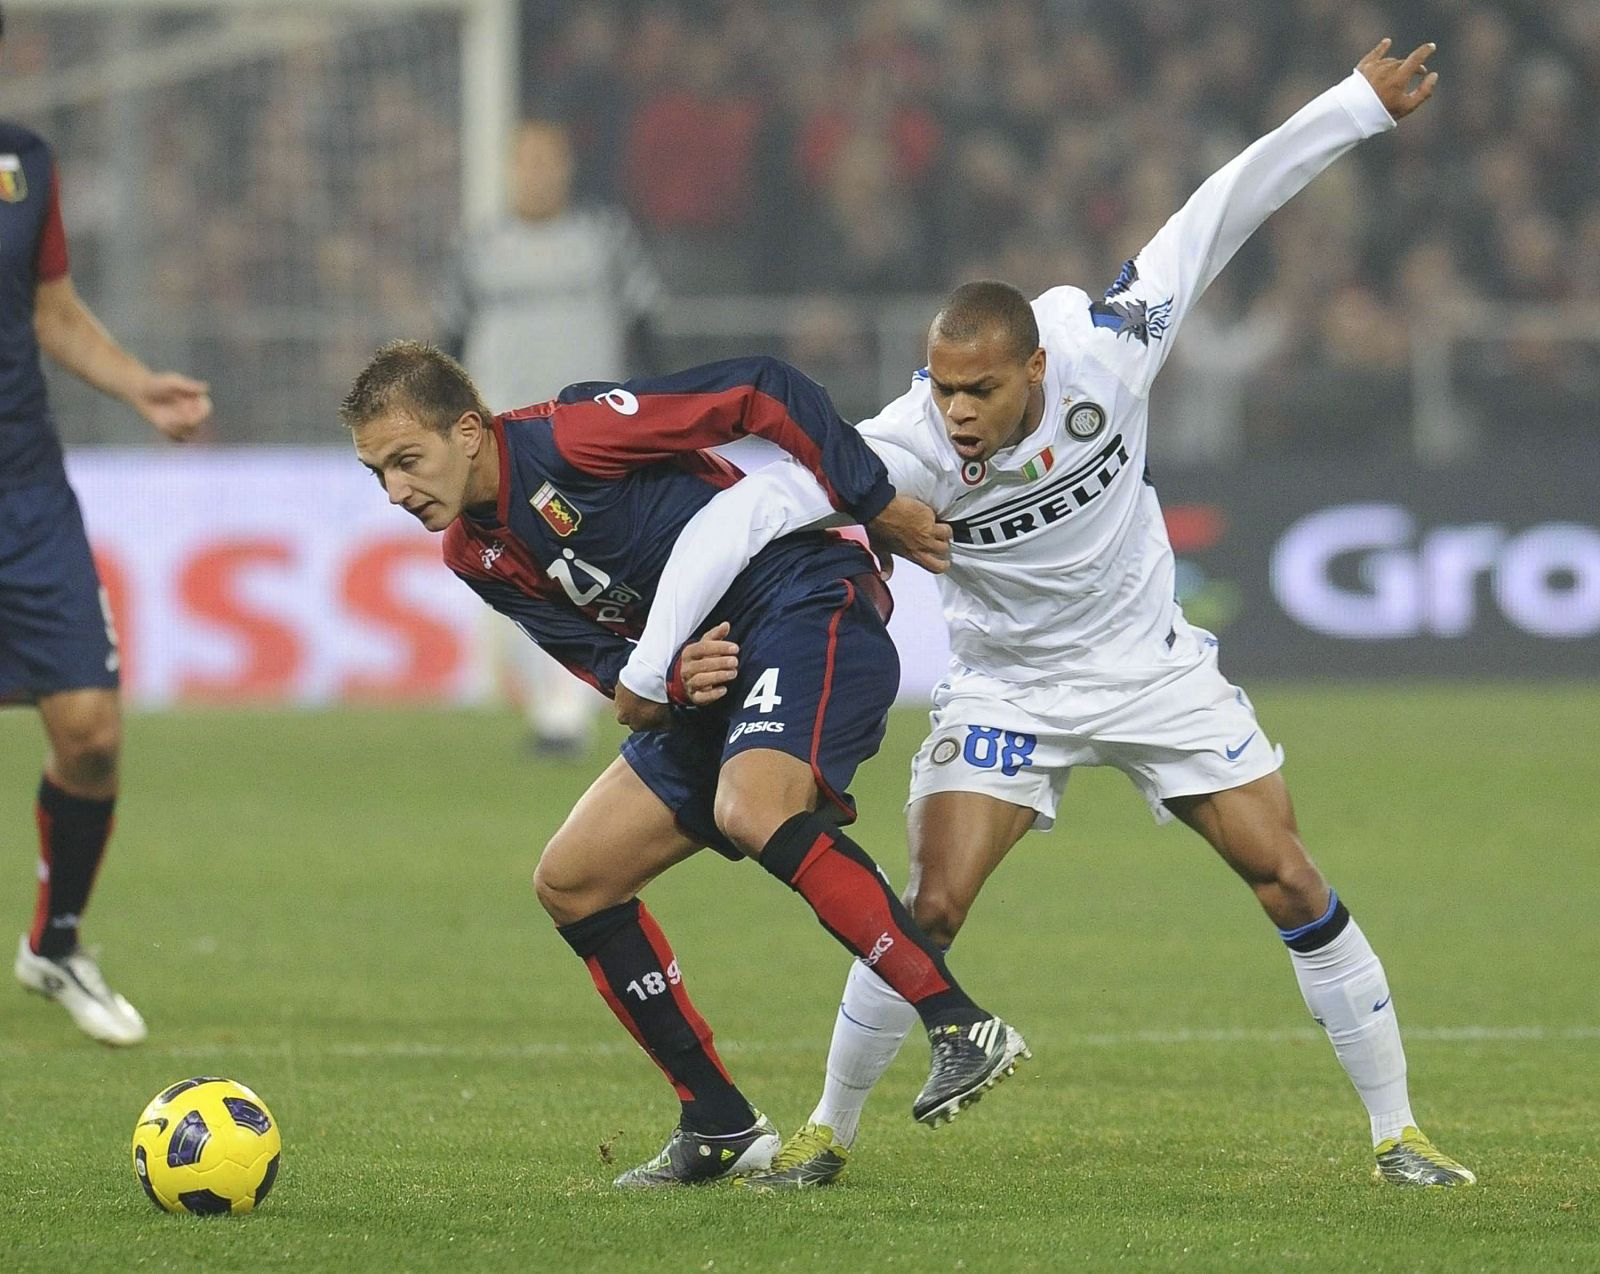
{"x": 967, "y": 447}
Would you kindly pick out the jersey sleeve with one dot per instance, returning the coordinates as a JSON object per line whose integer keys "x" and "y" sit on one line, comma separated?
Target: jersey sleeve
{"x": 51, "y": 261}
{"x": 894, "y": 434}
{"x": 587, "y": 650}
{"x": 1135, "y": 321}
{"x": 607, "y": 430}
{"x": 708, "y": 555}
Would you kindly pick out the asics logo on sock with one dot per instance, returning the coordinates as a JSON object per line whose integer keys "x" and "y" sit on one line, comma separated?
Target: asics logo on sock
{"x": 1379, "y": 1005}
{"x": 880, "y": 948}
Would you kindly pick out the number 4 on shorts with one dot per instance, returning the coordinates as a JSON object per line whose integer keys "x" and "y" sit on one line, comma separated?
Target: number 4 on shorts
{"x": 764, "y": 694}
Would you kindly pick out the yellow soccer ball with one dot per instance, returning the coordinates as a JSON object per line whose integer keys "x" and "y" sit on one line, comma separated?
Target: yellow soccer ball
{"x": 206, "y": 1146}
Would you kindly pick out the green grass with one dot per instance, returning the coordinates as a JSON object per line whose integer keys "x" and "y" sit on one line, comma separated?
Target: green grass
{"x": 335, "y": 909}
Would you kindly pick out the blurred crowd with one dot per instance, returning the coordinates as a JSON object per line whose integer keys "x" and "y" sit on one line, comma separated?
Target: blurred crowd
{"x": 839, "y": 153}
{"x": 890, "y": 146}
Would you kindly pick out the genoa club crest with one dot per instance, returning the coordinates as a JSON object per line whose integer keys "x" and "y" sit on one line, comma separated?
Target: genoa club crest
{"x": 13, "y": 181}
{"x": 554, "y": 508}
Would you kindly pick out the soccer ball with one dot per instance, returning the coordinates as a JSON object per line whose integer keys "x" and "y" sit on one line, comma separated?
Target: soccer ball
{"x": 206, "y": 1146}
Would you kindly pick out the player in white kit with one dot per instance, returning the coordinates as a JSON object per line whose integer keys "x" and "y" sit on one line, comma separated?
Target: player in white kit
{"x": 1026, "y": 434}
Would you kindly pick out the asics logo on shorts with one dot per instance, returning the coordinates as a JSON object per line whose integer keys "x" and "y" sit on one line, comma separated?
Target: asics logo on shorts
{"x": 756, "y": 727}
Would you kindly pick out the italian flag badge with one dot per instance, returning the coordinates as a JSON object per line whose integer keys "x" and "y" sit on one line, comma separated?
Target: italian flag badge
{"x": 1040, "y": 465}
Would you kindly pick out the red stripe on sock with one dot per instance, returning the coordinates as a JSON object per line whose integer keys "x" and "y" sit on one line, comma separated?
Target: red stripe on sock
{"x": 822, "y": 703}
{"x": 602, "y": 985}
{"x": 850, "y": 900}
{"x": 819, "y": 847}
{"x": 663, "y": 949}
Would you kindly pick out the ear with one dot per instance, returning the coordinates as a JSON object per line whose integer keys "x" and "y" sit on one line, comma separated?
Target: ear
{"x": 1036, "y": 363}
{"x": 472, "y": 431}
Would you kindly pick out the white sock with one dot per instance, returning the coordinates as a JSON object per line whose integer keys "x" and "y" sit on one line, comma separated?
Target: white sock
{"x": 1345, "y": 988}
{"x": 872, "y": 1024}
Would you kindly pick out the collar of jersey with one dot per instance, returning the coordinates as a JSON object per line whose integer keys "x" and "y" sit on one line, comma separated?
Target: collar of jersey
{"x": 1045, "y": 435}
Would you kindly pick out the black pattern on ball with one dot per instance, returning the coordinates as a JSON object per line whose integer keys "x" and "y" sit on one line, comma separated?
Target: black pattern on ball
{"x": 188, "y": 1141}
{"x": 267, "y": 1179}
{"x": 184, "y": 1085}
{"x": 204, "y": 1203}
{"x": 247, "y": 1114}
{"x": 142, "y": 1171}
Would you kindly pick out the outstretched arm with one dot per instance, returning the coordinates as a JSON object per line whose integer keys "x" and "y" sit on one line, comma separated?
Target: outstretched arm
{"x": 722, "y": 539}
{"x": 708, "y": 555}
{"x": 1136, "y": 319}
{"x": 70, "y": 334}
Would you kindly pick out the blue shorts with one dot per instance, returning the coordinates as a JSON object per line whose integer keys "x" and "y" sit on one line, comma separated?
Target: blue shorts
{"x": 55, "y": 625}
{"x": 817, "y": 674}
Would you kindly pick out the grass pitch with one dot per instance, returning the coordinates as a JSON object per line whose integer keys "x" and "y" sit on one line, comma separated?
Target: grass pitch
{"x": 335, "y": 909}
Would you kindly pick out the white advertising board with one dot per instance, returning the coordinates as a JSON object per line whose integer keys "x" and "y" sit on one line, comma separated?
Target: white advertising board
{"x": 283, "y": 575}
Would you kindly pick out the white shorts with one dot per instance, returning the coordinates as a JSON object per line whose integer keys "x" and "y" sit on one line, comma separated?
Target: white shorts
{"x": 1184, "y": 730}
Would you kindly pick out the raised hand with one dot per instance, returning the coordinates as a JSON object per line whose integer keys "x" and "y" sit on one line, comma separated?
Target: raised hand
{"x": 1391, "y": 77}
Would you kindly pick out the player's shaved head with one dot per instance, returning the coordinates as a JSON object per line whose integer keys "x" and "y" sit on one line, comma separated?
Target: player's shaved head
{"x": 976, "y": 309}
{"x": 416, "y": 378}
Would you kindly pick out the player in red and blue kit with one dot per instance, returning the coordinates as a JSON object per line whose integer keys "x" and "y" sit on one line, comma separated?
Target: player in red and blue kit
{"x": 562, "y": 516}
{"x": 58, "y": 650}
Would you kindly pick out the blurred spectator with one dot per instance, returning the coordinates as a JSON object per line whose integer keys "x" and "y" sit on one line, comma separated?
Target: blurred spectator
{"x": 554, "y": 294}
{"x": 873, "y": 149}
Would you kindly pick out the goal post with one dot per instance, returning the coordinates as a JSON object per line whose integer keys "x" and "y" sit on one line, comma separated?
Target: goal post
{"x": 254, "y": 189}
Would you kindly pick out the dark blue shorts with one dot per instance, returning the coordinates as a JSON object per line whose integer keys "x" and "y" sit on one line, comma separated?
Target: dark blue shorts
{"x": 55, "y": 627}
{"x": 817, "y": 674}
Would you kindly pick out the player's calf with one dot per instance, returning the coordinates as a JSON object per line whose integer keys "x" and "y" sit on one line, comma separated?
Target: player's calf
{"x": 637, "y": 975}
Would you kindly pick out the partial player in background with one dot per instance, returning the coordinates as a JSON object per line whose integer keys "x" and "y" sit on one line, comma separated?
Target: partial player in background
{"x": 561, "y": 516}
{"x": 1027, "y": 434}
{"x": 558, "y": 291}
{"x": 58, "y": 650}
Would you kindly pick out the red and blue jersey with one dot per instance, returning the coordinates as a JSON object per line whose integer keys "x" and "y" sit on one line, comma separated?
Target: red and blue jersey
{"x": 33, "y": 250}
{"x": 596, "y": 484}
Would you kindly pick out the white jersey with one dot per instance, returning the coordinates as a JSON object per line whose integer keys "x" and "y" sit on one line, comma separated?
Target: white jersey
{"x": 1060, "y": 566}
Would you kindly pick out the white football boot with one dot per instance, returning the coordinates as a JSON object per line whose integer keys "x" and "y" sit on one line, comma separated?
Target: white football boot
{"x": 75, "y": 982}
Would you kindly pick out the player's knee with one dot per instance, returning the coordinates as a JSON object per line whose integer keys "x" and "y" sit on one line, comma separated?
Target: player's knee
{"x": 86, "y": 751}
{"x": 565, "y": 891}
{"x": 938, "y": 913}
{"x": 744, "y": 819}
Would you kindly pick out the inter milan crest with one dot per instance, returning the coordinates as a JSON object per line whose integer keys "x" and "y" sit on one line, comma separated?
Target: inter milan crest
{"x": 974, "y": 472}
{"x": 13, "y": 181}
{"x": 1086, "y": 420}
{"x": 945, "y": 751}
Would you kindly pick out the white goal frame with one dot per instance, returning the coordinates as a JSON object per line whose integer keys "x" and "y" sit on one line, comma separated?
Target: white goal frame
{"x": 489, "y": 80}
